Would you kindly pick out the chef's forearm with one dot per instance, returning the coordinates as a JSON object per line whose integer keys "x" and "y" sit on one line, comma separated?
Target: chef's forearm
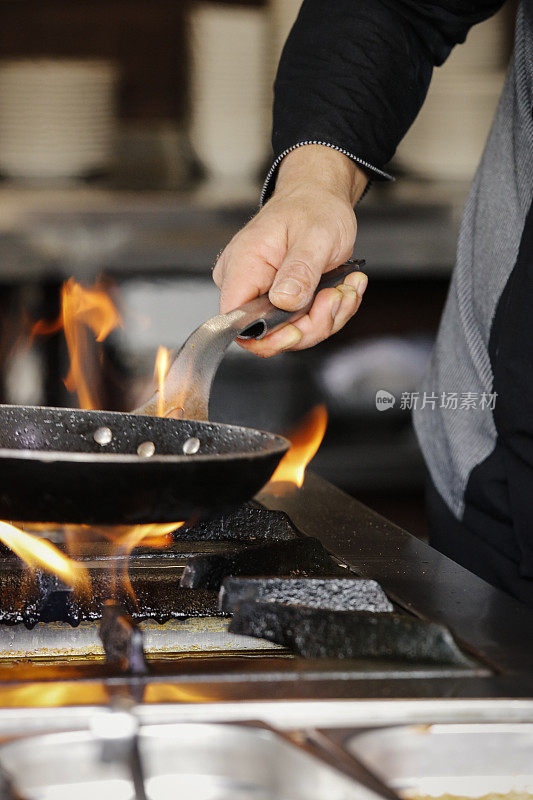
{"x": 354, "y": 74}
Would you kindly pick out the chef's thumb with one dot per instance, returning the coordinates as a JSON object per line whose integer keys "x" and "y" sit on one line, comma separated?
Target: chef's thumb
{"x": 296, "y": 279}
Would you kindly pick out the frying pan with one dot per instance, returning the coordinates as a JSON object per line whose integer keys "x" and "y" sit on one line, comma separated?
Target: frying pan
{"x": 98, "y": 467}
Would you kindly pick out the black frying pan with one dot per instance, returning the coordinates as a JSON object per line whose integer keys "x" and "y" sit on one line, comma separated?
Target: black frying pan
{"x": 98, "y": 467}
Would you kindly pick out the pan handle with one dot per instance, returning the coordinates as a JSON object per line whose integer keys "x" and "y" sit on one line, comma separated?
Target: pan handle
{"x": 260, "y": 316}
{"x": 185, "y": 392}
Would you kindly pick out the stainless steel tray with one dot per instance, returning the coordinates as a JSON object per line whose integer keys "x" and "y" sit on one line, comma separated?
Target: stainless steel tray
{"x": 200, "y": 761}
{"x": 465, "y": 760}
{"x": 31, "y": 709}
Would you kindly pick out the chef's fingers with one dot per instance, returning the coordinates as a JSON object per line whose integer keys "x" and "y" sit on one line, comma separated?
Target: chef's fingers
{"x": 314, "y": 252}
{"x": 247, "y": 266}
{"x": 352, "y": 290}
{"x": 238, "y": 284}
{"x": 331, "y": 310}
{"x": 330, "y": 313}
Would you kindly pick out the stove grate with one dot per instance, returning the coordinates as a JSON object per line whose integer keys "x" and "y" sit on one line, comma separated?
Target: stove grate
{"x": 178, "y": 583}
{"x": 333, "y": 594}
{"x": 321, "y": 633}
{"x": 302, "y": 557}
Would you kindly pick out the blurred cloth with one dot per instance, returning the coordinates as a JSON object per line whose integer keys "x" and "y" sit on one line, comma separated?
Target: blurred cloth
{"x": 455, "y": 540}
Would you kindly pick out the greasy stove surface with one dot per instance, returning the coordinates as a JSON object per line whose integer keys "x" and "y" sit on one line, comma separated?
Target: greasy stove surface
{"x": 492, "y": 631}
{"x": 180, "y": 581}
{"x": 487, "y": 621}
{"x": 206, "y": 594}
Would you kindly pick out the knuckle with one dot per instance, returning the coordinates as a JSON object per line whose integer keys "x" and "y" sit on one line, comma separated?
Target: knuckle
{"x": 218, "y": 272}
{"x": 346, "y": 250}
{"x": 244, "y": 241}
{"x": 302, "y": 269}
{"x": 338, "y": 325}
{"x": 347, "y": 231}
{"x": 253, "y": 245}
{"x": 265, "y": 352}
{"x": 341, "y": 320}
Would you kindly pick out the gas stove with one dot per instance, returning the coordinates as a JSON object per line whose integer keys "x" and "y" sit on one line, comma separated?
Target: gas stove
{"x": 245, "y": 582}
{"x": 302, "y": 581}
{"x": 301, "y": 611}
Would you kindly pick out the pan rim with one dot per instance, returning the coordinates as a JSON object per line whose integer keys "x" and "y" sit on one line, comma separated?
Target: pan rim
{"x": 117, "y": 458}
{"x": 274, "y": 444}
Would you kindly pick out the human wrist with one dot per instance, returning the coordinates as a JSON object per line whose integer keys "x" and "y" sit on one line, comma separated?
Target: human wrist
{"x": 324, "y": 168}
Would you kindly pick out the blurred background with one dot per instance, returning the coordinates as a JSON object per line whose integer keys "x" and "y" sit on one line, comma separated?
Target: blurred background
{"x": 134, "y": 137}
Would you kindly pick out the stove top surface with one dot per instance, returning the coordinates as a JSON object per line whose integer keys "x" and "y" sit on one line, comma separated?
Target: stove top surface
{"x": 478, "y": 635}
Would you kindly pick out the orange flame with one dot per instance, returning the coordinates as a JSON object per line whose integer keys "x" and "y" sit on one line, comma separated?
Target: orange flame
{"x": 82, "y": 308}
{"x": 44, "y": 327}
{"x": 39, "y": 553}
{"x": 127, "y": 537}
{"x": 162, "y": 365}
{"x": 124, "y": 538}
{"x": 92, "y": 308}
{"x": 305, "y": 441}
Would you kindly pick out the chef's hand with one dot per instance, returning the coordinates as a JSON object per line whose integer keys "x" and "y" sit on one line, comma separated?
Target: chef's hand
{"x": 307, "y": 228}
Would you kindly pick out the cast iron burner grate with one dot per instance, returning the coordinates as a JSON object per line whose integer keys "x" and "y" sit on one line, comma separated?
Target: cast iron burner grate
{"x": 251, "y": 564}
{"x": 346, "y": 618}
{"x": 176, "y": 583}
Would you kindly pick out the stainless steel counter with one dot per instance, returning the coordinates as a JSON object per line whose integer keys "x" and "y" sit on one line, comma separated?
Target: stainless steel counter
{"x": 489, "y": 623}
{"x": 410, "y": 227}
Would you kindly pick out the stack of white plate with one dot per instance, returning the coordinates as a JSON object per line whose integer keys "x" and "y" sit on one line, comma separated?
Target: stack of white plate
{"x": 228, "y": 85}
{"x": 447, "y": 138}
{"x": 57, "y": 117}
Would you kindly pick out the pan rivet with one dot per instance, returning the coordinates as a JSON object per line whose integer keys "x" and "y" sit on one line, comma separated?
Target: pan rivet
{"x": 146, "y": 449}
{"x": 103, "y": 436}
{"x": 191, "y": 446}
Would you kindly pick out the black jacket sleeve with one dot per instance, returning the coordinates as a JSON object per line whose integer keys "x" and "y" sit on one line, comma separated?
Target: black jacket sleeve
{"x": 354, "y": 73}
